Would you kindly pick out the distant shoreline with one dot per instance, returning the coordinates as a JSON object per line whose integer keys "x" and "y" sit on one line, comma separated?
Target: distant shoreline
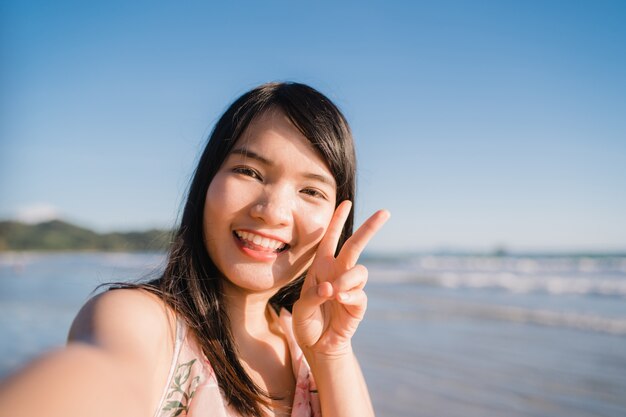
{"x": 60, "y": 236}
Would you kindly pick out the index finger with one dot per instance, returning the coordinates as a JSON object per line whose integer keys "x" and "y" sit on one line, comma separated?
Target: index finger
{"x": 351, "y": 250}
{"x": 329, "y": 242}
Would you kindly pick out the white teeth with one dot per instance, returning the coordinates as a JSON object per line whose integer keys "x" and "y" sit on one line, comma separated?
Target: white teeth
{"x": 264, "y": 242}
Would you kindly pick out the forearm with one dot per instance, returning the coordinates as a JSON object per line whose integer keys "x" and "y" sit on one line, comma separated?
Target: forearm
{"x": 341, "y": 386}
{"x": 75, "y": 381}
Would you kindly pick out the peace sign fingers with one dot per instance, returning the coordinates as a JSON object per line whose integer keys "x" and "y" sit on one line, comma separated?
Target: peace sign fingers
{"x": 353, "y": 247}
{"x": 332, "y": 301}
{"x": 328, "y": 245}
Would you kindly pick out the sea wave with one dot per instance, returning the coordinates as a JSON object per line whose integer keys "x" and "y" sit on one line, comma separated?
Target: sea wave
{"x": 514, "y": 283}
{"x": 526, "y": 284}
{"x": 553, "y": 275}
{"x": 521, "y": 264}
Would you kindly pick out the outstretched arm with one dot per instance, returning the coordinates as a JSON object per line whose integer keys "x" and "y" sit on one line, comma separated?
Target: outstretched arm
{"x": 74, "y": 381}
{"x": 330, "y": 308}
{"x": 110, "y": 367}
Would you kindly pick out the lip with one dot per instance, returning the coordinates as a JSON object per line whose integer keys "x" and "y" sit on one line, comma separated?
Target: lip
{"x": 262, "y": 255}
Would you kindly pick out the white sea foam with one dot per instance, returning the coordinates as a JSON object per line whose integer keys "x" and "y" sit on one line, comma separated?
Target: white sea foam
{"x": 525, "y": 284}
{"x": 554, "y": 275}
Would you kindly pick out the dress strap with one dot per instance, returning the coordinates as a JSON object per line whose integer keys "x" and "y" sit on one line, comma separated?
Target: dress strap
{"x": 181, "y": 332}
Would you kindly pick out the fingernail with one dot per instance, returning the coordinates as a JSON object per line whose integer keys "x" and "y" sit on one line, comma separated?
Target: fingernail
{"x": 343, "y": 296}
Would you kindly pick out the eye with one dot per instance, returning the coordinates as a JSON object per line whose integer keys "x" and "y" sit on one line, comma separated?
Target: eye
{"x": 248, "y": 172}
{"x": 314, "y": 193}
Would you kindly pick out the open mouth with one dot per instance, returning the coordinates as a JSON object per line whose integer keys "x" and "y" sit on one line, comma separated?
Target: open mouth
{"x": 260, "y": 243}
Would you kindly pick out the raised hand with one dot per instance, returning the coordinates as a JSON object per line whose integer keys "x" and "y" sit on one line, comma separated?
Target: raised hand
{"x": 332, "y": 302}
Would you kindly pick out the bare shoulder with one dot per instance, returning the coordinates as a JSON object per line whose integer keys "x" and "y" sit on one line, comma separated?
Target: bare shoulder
{"x": 123, "y": 319}
{"x": 136, "y": 330}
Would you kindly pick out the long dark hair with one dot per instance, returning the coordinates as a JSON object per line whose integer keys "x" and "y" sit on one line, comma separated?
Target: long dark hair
{"x": 191, "y": 283}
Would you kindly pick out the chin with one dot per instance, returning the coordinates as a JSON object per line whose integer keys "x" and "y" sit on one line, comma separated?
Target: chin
{"x": 253, "y": 280}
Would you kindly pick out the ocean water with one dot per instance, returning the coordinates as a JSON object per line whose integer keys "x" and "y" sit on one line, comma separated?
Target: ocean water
{"x": 443, "y": 335}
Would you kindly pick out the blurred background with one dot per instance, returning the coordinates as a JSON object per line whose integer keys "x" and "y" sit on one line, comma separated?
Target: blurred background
{"x": 493, "y": 131}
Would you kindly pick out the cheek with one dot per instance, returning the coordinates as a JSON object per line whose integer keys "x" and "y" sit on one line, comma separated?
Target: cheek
{"x": 219, "y": 208}
{"x": 216, "y": 191}
{"x": 222, "y": 197}
{"x": 315, "y": 225}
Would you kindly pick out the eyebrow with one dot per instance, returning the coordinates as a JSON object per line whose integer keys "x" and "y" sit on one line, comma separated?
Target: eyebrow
{"x": 250, "y": 154}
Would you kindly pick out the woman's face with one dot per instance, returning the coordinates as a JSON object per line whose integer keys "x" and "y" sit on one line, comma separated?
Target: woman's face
{"x": 268, "y": 206}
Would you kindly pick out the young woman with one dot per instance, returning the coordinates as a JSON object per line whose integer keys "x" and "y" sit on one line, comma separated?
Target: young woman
{"x": 261, "y": 295}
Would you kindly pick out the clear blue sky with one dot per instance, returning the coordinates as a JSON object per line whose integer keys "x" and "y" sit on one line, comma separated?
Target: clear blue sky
{"x": 477, "y": 123}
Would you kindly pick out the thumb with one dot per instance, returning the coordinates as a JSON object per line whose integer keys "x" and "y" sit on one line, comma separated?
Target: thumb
{"x": 310, "y": 300}
{"x": 308, "y": 322}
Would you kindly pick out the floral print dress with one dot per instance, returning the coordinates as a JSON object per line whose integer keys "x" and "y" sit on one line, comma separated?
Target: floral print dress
{"x": 192, "y": 389}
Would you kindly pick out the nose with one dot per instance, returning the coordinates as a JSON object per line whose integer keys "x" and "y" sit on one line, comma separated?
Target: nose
{"x": 274, "y": 207}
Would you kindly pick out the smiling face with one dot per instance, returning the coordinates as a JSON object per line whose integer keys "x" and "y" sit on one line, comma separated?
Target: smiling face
{"x": 268, "y": 206}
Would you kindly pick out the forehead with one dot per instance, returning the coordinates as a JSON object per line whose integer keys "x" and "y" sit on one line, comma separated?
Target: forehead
{"x": 272, "y": 135}
{"x": 270, "y": 122}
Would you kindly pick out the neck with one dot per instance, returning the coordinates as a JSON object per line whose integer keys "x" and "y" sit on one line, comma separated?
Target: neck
{"x": 262, "y": 347}
{"x": 249, "y": 313}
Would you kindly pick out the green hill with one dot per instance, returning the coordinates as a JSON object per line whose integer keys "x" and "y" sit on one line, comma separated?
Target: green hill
{"x": 57, "y": 235}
